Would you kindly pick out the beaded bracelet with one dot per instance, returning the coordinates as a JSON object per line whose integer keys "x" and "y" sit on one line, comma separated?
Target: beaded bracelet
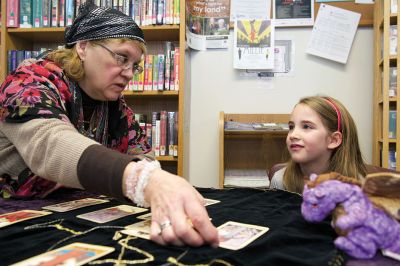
{"x": 132, "y": 178}
{"x": 142, "y": 183}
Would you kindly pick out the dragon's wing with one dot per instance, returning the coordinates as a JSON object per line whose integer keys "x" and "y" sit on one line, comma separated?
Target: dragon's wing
{"x": 384, "y": 191}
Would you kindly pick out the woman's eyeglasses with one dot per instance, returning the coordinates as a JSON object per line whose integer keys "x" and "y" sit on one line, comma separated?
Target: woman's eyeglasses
{"x": 123, "y": 62}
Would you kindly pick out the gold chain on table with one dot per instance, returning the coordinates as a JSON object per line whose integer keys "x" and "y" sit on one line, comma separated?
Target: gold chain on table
{"x": 175, "y": 261}
{"x": 214, "y": 261}
{"x": 57, "y": 224}
{"x": 120, "y": 262}
{"x": 124, "y": 245}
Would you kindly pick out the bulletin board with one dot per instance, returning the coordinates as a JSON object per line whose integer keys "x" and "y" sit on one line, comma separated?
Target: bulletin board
{"x": 366, "y": 10}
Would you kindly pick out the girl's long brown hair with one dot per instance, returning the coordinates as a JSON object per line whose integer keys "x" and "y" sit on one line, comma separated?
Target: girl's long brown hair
{"x": 346, "y": 159}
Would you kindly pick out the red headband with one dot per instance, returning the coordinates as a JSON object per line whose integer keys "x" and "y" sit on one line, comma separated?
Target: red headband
{"x": 339, "y": 117}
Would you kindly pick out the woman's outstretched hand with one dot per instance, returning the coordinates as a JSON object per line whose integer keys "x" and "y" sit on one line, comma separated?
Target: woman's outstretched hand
{"x": 178, "y": 213}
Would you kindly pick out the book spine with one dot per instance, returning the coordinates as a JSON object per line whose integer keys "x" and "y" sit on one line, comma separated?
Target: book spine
{"x": 27, "y": 54}
{"x": 135, "y": 82}
{"x": 77, "y": 4}
{"x": 171, "y": 131}
{"x": 46, "y": 12}
{"x": 143, "y": 18}
{"x": 141, "y": 77}
{"x": 150, "y": 12}
{"x": 163, "y": 132}
{"x": 155, "y": 72}
{"x": 392, "y": 81}
{"x": 154, "y": 13}
{"x": 392, "y": 159}
{"x": 176, "y": 68}
{"x": 37, "y": 14}
{"x": 176, "y": 134}
{"x": 150, "y": 75}
{"x": 392, "y": 124}
{"x": 160, "y": 72}
{"x": 167, "y": 15}
{"x": 177, "y": 12}
{"x": 160, "y": 12}
{"x": 157, "y": 138}
{"x": 69, "y": 12}
{"x": 61, "y": 13}
{"x": 14, "y": 62}
{"x": 172, "y": 72}
{"x": 393, "y": 40}
{"x": 137, "y": 10}
{"x": 167, "y": 71}
{"x": 127, "y": 8}
{"x": 146, "y": 73}
{"x": 149, "y": 133}
{"x": 20, "y": 56}
{"x": 54, "y": 13}
{"x": 12, "y": 13}
{"x": 153, "y": 130}
{"x": 25, "y": 14}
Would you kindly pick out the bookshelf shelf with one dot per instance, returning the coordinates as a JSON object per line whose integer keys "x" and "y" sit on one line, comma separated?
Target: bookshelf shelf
{"x": 261, "y": 148}
{"x": 143, "y": 102}
{"x": 167, "y": 159}
{"x": 151, "y": 93}
{"x": 385, "y": 100}
{"x": 56, "y": 34}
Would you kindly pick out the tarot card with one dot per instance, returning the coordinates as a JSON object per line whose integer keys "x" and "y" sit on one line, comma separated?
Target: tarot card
{"x": 110, "y": 214}
{"x": 211, "y": 202}
{"x": 146, "y": 216}
{"x": 233, "y": 235}
{"x": 74, "y": 204}
{"x": 19, "y": 216}
{"x": 140, "y": 229}
{"x": 73, "y": 254}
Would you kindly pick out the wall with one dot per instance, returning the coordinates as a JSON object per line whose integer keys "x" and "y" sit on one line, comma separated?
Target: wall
{"x": 214, "y": 86}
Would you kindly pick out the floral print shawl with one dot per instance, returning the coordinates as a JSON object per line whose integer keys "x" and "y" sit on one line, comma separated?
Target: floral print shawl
{"x": 40, "y": 89}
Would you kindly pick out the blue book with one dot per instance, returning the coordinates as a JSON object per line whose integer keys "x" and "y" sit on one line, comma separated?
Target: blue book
{"x": 69, "y": 12}
{"x": 12, "y": 60}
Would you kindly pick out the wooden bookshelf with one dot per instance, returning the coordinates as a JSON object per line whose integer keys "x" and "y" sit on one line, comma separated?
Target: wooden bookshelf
{"x": 251, "y": 149}
{"x": 383, "y": 100}
{"x": 142, "y": 102}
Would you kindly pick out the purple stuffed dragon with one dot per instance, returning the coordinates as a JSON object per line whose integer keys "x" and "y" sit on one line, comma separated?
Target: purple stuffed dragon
{"x": 362, "y": 225}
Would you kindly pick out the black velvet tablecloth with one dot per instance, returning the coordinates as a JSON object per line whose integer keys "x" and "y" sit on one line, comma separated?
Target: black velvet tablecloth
{"x": 290, "y": 239}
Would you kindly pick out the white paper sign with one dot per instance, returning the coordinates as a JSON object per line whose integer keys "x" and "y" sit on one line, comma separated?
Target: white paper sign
{"x": 333, "y": 33}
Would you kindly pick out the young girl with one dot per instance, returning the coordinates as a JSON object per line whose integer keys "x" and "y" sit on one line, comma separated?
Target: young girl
{"x": 322, "y": 138}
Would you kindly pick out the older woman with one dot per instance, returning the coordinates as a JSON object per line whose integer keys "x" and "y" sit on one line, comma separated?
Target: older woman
{"x": 65, "y": 122}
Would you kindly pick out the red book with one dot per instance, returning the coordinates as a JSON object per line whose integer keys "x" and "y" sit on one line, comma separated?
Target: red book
{"x": 12, "y": 13}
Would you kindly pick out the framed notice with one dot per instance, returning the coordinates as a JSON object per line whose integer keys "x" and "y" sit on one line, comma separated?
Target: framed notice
{"x": 292, "y": 13}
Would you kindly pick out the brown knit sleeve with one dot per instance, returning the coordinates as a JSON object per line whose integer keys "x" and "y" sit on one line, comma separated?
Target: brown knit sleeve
{"x": 101, "y": 170}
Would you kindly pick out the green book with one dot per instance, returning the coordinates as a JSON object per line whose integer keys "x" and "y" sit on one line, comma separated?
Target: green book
{"x": 37, "y": 14}
{"x": 25, "y": 14}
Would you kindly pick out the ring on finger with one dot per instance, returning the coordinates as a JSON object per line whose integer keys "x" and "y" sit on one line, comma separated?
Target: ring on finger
{"x": 165, "y": 224}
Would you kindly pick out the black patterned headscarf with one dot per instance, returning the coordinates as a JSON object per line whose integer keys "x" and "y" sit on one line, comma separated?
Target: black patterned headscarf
{"x": 97, "y": 23}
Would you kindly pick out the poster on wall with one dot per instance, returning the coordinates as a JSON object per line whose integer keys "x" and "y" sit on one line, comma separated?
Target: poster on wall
{"x": 207, "y": 24}
{"x": 291, "y": 13}
{"x": 253, "y": 44}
